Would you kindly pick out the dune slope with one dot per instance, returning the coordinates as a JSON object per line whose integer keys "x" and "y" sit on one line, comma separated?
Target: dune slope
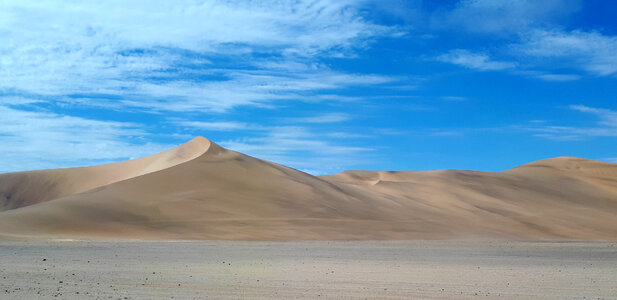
{"x": 221, "y": 194}
{"x": 26, "y": 188}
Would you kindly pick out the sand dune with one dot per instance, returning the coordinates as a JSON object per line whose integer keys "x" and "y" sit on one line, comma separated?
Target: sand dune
{"x": 27, "y": 188}
{"x": 203, "y": 191}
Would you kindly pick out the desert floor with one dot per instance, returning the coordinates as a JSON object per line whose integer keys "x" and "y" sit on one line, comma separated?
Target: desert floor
{"x": 334, "y": 270}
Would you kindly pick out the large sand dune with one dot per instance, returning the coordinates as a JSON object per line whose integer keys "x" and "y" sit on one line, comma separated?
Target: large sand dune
{"x": 27, "y": 188}
{"x": 203, "y": 191}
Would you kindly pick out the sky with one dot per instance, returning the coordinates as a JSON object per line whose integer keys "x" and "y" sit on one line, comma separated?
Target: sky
{"x": 321, "y": 86}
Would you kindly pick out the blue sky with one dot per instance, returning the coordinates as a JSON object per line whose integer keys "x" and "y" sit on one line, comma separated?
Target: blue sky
{"x": 322, "y": 86}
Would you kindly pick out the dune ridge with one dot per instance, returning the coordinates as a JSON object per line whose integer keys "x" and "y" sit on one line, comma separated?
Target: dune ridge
{"x": 207, "y": 192}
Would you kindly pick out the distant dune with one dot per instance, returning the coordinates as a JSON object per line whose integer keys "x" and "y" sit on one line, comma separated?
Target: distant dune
{"x": 202, "y": 191}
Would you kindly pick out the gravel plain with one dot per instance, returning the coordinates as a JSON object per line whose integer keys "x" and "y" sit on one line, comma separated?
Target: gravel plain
{"x": 311, "y": 270}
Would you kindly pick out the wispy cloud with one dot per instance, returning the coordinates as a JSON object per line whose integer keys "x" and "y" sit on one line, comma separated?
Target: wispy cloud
{"x": 348, "y": 135}
{"x": 504, "y": 16}
{"x": 301, "y": 148}
{"x": 185, "y": 59}
{"x": 559, "y": 77}
{"x": 35, "y": 140}
{"x": 322, "y": 118}
{"x": 608, "y": 117}
{"x": 454, "y": 98}
{"x": 219, "y": 126}
{"x": 590, "y": 51}
{"x": 545, "y": 54}
{"x": 567, "y": 133}
{"x": 606, "y": 126}
{"x": 531, "y": 37}
{"x": 130, "y": 56}
{"x": 477, "y": 61}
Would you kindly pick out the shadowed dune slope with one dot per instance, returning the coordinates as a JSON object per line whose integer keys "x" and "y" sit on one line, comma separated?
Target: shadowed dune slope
{"x": 224, "y": 195}
{"x": 26, "y": 188}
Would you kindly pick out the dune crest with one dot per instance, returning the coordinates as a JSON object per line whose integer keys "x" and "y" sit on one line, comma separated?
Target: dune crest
{"x": 202, "y": 191}
{"x": 571, "y": 165}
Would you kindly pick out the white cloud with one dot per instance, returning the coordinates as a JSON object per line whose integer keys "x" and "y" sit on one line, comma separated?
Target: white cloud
{"x": 545, "y": 54}
{"x": 219, "y": 126}
{"x": 608, "y": 117}
{"x": 504, "y": 16}
{"x": 589, "y": 51}
{"x": 158, "y": 55}
{"x": 535, "y": 35}
{"x": 243, "y": 87}
{"x": 301, "y": 148}
{"x": 323, "y": 118}
{"x": 347, "y": 135}
{"x": 300, "y": 26}
{"x": 559, "y": 77}
{"x": 567, "y": 133}
{"x": 606, "y": 127}
{"x": 454, "y": 98}
{"x": 477, "y": 61}
{"x": 36, "y": 140}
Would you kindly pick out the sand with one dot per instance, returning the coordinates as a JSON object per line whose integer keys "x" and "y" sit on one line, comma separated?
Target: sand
{"x": 27, "y": 188}
{"x": 201, "y": 191}
{"x": 258, "y": 229}
{"x": 308, "y": 270}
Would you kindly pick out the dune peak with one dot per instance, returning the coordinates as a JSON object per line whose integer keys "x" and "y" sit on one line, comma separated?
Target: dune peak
{"x": 31, "y": 187}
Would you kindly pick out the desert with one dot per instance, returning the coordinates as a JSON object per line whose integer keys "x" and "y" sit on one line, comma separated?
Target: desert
{"x": 308, "y": 270}
{"x": 200, "y": 221}
{"x": 308, "y": 149}
{"x": 202, "y": 191}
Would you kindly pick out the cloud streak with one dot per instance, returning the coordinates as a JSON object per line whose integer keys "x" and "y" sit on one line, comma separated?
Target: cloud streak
{"x": 590, "y": 51}
{"x": 161, "y": 56}
{"x": 608, "y": 117}
{"x": 504, "y": 16}
{"x": 544, "y": 54}
{"x": 323, "y": 118}
{"x": 36, "y": 140}
{"x": 302, "y": 148}
{"x": 471, "y": 60}
{"x": 607, "y": 126}
{"x": 219, "y": 126}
